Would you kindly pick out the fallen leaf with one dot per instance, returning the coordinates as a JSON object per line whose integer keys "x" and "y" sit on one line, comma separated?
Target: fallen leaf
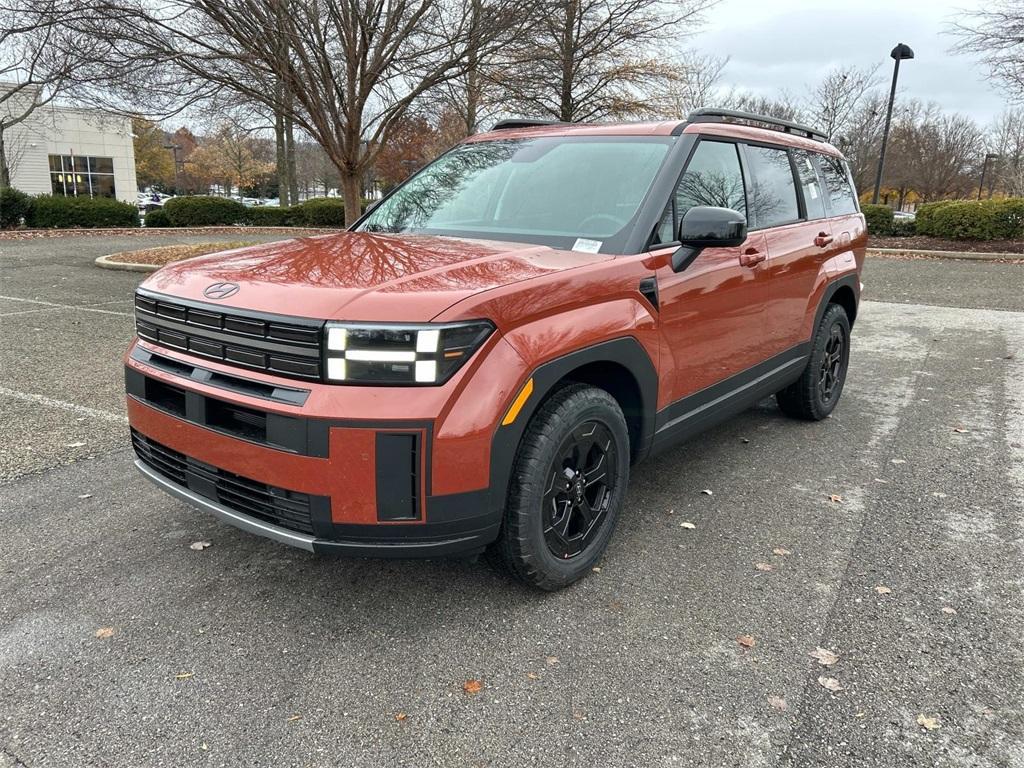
{"x": 104, "y": 632}
{"x": 939, "y": 494}
{"x": 199, "y": 545}
{"x": 293, "y": 718}
{"x": 671, "y": 512}
{"x": 949, "y": 609}
{"x": 830, "y": 684}
{"x": 898, "y": 461}
{"x": 551, "y": 660}
{"x": 928, "y": 723}
{"x": 824, "y": 656}
{"x": 596, "y": 569}
{"x": 747, "y": 641}
{"x": 472, "y": 687}
{"x": 204, "y": 747}
{"x": 778, "y": 703}
{"x": 533, "y": 675}
{"x": 764, "y": 567}
{"x": 183, "y": 675}
{"x": 781, "y": 551}
{"x": 707, "y": 492}
{"x": 861, "y": 714}
{"x": 687, "y": 526}
{"x": 836, "y": 498}
{"x": 401, "y": 717}
{"x": 75, "y": 445}
{"x": 85, "y": 495}
{"x": 744, "y": 440}
{"x": 959, "y": 430}
{"x": 883, "y": 590}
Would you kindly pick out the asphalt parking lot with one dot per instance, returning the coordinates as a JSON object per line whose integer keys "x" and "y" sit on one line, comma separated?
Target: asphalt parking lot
{"x": 891, "y": 534}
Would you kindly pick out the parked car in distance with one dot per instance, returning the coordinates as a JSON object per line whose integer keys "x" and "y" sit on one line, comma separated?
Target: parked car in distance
{"x": 479, "y": 361}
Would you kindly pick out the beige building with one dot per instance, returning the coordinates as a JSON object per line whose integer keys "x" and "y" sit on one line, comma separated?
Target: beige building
{"x": 74, "y": 152}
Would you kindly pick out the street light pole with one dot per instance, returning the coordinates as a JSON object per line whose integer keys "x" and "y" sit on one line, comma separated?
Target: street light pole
{"x": 984, "y": 170}
{"x": 900, "y": 53}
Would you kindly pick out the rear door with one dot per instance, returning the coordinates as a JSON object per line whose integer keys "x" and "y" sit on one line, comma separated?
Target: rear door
{"x": 847, "y": 223}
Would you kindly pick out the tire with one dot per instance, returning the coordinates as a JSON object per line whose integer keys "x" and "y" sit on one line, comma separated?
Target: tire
{"x": 552, "y": 534}
{"x": 815, "y": 394}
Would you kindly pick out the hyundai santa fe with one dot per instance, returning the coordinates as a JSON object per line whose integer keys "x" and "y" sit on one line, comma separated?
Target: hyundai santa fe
{"x": 478, "y": 362}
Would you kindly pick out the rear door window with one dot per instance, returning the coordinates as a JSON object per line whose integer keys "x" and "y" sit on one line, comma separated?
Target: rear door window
{"x": 713, "y": 177}
{"x": 774, "y": 200}
{"x": 810, "y": 184}
{"x": 840, "y": 189}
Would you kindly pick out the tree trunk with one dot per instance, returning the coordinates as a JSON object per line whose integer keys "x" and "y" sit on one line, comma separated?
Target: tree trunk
{"x": 352, "y": 189}
{"x": 568, "y": 54}
{"x": 5, "y": 172}
{"x": 289, "y": 156}
{"x": 281, "y": 163}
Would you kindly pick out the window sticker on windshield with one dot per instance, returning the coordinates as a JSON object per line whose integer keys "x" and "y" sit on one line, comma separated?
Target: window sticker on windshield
{"x": 587, "y": 246}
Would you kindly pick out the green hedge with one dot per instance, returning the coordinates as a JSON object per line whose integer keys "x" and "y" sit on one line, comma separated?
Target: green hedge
{"x": 904, "y": 228}
{"x": 319, "y": 212}
{"x": 14, "y": 206}
{"x": 204, "y": 211}
{"x": 879, "y": 218}
{"x": 157, "y": 218}
{"x": 973, "y": 219}
{"x": 56, "y": 212}
{"x": 269, "y": 216}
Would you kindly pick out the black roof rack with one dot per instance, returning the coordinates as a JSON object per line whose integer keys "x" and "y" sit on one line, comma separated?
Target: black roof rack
{"x": 521, "y": 122}
{"x": 721, "y": 115}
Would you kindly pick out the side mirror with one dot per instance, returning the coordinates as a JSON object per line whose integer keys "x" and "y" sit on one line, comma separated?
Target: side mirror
{"x": 706, "y": 227}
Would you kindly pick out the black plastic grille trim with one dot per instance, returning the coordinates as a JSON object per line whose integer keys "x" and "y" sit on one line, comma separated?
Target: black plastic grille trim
{"x": 290, "y": 348}
{"x": 287, "y": 509}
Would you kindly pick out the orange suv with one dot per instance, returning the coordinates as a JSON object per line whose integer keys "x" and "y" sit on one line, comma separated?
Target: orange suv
{"x": 478, "y": 362}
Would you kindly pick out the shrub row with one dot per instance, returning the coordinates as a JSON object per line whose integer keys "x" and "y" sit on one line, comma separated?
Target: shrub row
{"x": 220, "y": 211}
{"x": 973, "y": 219}
{"x": 58, "y": 212}
{"x": 882, "y": 223}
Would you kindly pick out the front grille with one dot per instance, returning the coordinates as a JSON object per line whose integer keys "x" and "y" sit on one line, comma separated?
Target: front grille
{"x": 283, "y": 347}
{"x": 269, "y": 503}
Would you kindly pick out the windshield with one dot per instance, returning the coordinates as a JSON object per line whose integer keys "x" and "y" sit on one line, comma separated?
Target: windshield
{"x": 566, "y": 192}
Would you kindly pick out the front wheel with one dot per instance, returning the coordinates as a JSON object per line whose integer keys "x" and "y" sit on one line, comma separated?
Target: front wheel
{"x": 567, "y": 487}
{"x": 814, "y": 395}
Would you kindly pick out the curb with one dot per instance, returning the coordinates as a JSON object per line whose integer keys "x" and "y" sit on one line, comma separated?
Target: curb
{"x": 110, "y": 262}
{"x": 961, "y": 255}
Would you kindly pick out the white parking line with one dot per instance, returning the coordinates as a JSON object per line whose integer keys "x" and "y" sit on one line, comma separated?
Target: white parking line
{"x": 81, "y": 410}
{"x": 54, "y": 305}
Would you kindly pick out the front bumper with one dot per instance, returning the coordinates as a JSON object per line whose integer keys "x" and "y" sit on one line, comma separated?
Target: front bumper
{"x": 282, "y": 470}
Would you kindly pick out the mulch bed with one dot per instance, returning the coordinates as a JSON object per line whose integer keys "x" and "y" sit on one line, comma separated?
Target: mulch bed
{"x": 167, "y": 253}
{"x": 31, "y": 234}
{"x": 921, "y": 243}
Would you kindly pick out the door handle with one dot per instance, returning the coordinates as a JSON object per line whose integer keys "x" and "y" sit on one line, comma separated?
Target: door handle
{"x": 751, "y": 257}
{"x": 823, "y": 239}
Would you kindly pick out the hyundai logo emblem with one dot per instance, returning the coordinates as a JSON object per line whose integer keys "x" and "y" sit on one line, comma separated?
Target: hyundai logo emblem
{"x": 220, "y": 290}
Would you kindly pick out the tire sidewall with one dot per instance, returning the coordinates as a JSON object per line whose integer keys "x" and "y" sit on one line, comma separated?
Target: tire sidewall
{"x": 834, "y": 316}
{"x": 568, "y": 417}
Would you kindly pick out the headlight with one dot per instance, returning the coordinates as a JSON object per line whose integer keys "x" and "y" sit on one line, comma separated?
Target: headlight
{"x": 401, "y": 354}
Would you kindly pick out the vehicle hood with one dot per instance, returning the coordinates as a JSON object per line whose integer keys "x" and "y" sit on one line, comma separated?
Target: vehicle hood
{"x": 362, "y": 276}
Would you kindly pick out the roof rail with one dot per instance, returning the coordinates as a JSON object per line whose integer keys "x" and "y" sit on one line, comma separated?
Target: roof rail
{"x": 521, "y": 122}
{"x": 721, "y": 115}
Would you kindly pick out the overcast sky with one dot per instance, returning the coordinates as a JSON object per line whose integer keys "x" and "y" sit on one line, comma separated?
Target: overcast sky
{"x": 774, "y": 44}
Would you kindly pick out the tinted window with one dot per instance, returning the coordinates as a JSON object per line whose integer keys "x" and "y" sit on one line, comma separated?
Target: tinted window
{"x": 814, "y": 201}
{"x": 712, "y": 177}
{"x": 837, "y": 182}
{"x": 774, "y": 200}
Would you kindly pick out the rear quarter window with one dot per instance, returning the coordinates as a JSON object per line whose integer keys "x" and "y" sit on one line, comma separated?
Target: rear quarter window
{"x": 810, "y": 184}
{"x": 841, "y": 194}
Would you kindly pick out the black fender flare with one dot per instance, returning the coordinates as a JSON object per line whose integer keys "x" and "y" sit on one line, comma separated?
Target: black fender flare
{"x": 852, "y": 281}
{"x": 625, "y": 351}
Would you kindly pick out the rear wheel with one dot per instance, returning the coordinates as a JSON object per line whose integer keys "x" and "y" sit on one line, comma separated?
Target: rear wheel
{"x": 815, "y": 394}
{"x": 568, "y": 484}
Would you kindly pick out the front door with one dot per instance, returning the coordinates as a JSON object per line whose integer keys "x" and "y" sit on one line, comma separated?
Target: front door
{"x": 713, "y": 312}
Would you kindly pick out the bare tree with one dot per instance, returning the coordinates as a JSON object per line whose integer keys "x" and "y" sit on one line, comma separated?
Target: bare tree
{"x": 1006, "y": 139}
{"x": 592, "y": 59}
{"x": 693, "y": 87}
{"x": 783, "y": 105}
{"x": 352, "y": 71}
{"x": 996, "y": 34}
{"x": 835, "y": 100}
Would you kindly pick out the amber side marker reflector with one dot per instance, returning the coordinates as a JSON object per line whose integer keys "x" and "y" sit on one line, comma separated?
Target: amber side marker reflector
{"x": 518, "y": 403}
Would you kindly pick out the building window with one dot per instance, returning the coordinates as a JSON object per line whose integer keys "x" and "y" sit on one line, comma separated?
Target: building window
{"x": 77, "y": 176}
